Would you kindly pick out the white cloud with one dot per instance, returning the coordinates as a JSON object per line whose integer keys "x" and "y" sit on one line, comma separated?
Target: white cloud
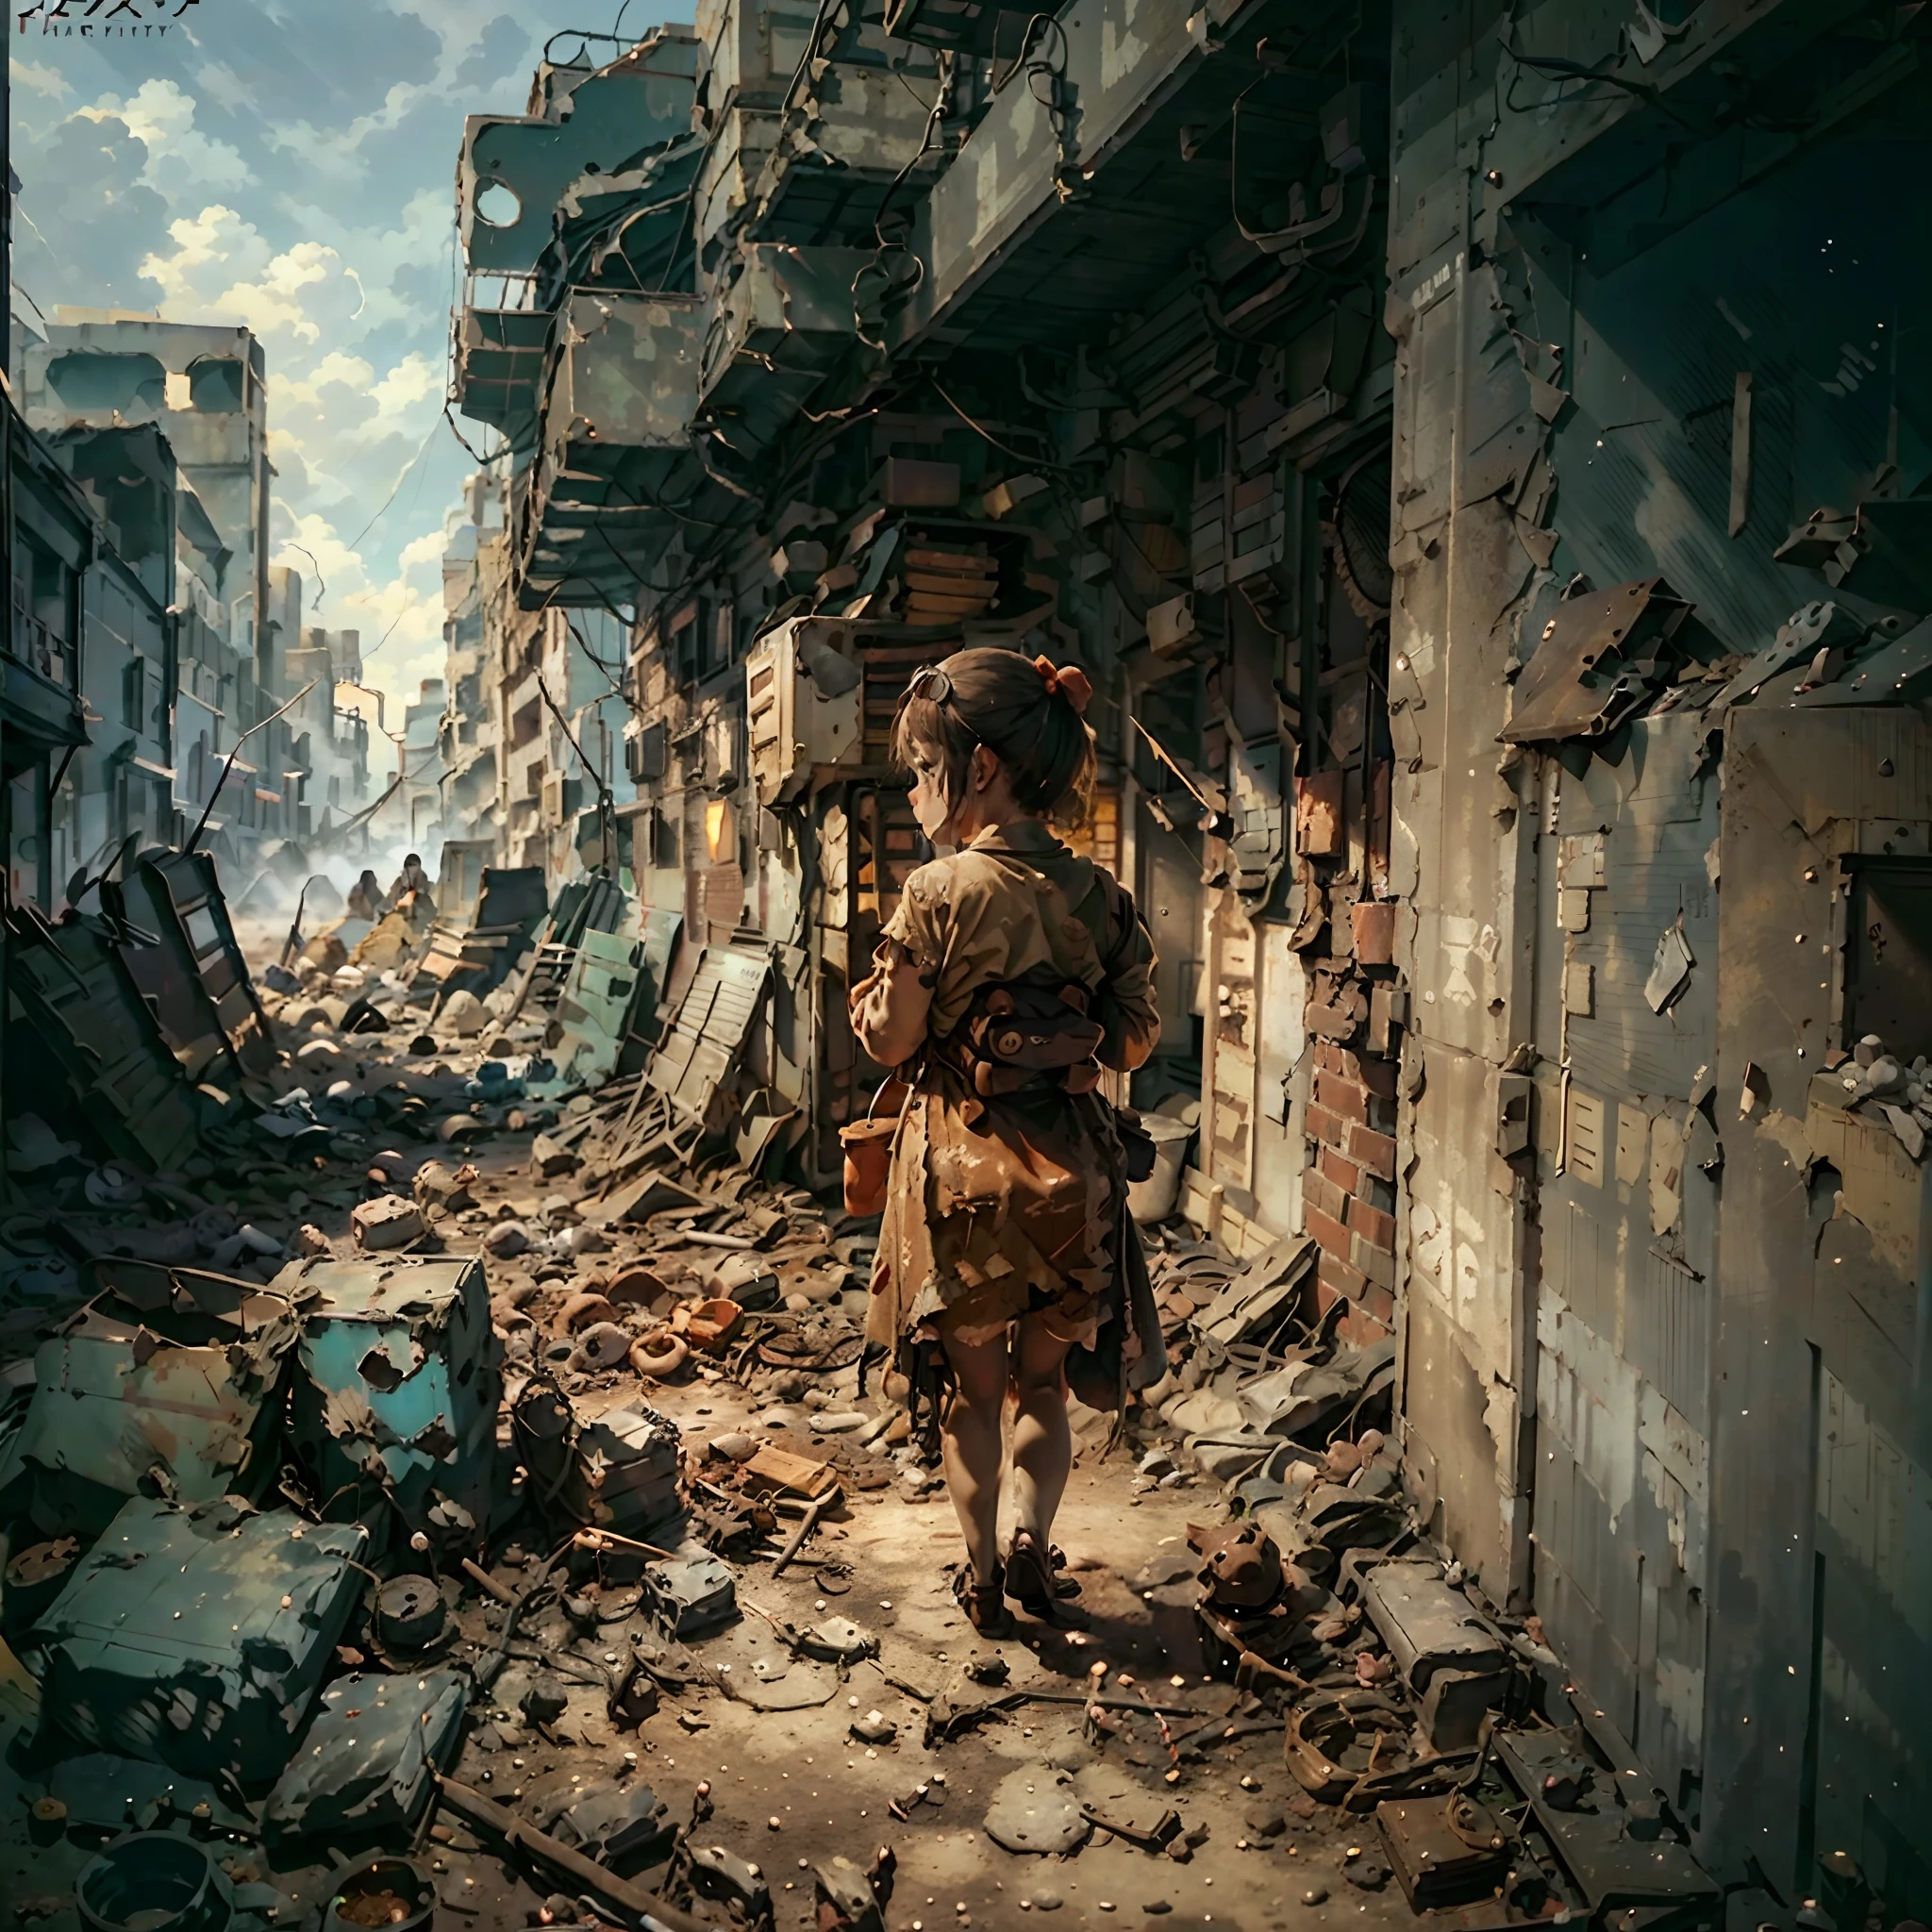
{"x": 342, "y": 567}
{"x": 413, "y": 378}
{"x": 427, "y": 548}
{"x": 181, "y": 160}
{"x": 208, "y": 247}
{"x": 223, "y": 270}
{"x": 337, "y": 367}
{"x": 42, "y": 80}
{"x": 334, "y": 154}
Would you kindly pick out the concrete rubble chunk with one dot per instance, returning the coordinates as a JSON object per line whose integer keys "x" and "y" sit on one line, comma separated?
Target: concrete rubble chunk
{"x": 1035, "y": 1809}
{"x": 386, "y": 1222}
{"x": 463, "y": 1014}
{"x": 847, "y": 1899}
{"x": 507, "y": 1238}
{"x": 437, "y": 1184}
{"x": 548, "y": 1160}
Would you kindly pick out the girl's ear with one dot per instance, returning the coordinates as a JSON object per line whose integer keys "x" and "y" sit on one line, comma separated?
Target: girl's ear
{"x": 985, "y": 767}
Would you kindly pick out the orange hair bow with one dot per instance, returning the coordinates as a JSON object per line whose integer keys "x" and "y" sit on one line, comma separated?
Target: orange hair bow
{"x": 1069, "y": 681}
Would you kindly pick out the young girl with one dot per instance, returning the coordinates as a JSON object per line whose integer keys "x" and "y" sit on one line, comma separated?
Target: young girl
{"x": 1010, "y": 974}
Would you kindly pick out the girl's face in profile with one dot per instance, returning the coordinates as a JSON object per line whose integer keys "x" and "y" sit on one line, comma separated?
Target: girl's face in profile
{"x": 930, "y": 806}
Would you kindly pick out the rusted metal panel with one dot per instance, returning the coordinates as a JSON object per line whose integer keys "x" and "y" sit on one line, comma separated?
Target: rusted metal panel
{"x": 1597, "y": 660}
{"x": 1652, "y": 837}
{"x": 134, "y": 1665}
{"x": 392, "y": 1413}
{"x": 168, "y": 1377}
{"x": 1796, "y": 786}
{"x": 79, "y": 1023}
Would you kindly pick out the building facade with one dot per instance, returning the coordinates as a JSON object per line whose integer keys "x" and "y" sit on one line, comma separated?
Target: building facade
{"x": 192, "y": 397}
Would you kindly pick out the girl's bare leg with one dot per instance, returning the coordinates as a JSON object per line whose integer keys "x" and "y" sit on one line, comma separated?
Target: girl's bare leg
{"x": 1043, "y": 1444}
{"x": 973, "y": 1450}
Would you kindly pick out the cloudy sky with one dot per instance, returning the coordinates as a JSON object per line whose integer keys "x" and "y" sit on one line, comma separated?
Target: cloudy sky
{"x": 289, "y": 165}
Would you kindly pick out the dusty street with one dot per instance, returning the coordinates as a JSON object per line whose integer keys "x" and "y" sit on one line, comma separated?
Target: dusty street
{"x": 842, "y": 1710}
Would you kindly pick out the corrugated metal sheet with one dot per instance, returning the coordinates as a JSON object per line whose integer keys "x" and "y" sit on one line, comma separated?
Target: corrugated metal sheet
{"x": 711, "y": 1027}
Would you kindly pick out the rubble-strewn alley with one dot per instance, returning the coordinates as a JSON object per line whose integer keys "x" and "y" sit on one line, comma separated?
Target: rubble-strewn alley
{"x": 1186, "y": 734}
{"x": 447, "y": 1498}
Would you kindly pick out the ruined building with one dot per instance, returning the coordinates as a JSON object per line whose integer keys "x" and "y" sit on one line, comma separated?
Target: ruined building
{"x": 1459, "y": 449}
{"x": 184, "y": 637}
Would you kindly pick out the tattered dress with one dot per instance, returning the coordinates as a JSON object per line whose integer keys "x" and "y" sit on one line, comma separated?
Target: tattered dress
{"x": 1010, "y": 1204}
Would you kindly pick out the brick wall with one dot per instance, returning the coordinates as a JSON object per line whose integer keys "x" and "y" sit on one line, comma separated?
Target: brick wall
{"x": 1349, "y": 1190}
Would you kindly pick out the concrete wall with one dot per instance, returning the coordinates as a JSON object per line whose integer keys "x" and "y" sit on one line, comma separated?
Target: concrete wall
{"x": 1644, "y": 333}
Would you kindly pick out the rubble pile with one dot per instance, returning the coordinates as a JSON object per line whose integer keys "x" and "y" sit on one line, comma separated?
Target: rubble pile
{"x": 1879, "y": 1086}
{"x": 405, "y": 1488}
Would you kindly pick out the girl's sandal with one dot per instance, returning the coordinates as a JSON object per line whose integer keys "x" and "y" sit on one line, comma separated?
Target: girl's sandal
{"x": 1064, "y": 1586}
{"x": 1031, "y": 1584}
{"x": 984, "y": 1602}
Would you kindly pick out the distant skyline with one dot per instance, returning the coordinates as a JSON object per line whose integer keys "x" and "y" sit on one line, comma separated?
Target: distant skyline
{"x": 290, "y": 166}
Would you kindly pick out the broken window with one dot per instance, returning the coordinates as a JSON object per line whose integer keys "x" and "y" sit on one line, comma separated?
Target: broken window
{"x": 217, "y": 386}
{"x": 88, "y": 382}
{"x": 134, "y": 694}
{"x": 1888, "y": 954}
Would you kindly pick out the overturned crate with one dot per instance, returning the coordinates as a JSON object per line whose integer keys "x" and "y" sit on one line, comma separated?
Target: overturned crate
{"x": 167, "y": 1382}
{"x": 392, "y": 1411}
{"x": 628, "y": 1460}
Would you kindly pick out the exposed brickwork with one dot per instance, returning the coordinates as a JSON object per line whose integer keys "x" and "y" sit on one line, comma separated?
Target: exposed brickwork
{"x": 1377, "y": 1228}
{"x": 1378, "y": 1077}
{"x": 1339, "y": 1277}
{"x": 1376, "y": 1152}
{"x": 1324, "y": 1196}
{"x": 1330, "y": 1235}
{"x": 1347, "y": 1193}
{"x": 1348, "y": 1099}
{"x": 1341, "y": 1170}
{"x": 1378, "y": 1264}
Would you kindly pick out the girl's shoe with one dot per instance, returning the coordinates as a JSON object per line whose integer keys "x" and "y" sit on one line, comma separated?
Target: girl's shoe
{"x": 1031, "y": 1584}
{"x": 984, "y": 1602}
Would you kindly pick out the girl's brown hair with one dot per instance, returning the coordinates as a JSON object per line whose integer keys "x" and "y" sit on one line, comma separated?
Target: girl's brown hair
{"x": 1022, "y": 715}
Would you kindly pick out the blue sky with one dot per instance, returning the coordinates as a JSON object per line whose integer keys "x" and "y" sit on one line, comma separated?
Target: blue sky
{"x": 289, "y": 165}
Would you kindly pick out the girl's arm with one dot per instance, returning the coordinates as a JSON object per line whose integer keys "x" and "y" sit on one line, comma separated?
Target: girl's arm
{"x": 1128, "y": 1008}
{"x": 890, "y": 1006}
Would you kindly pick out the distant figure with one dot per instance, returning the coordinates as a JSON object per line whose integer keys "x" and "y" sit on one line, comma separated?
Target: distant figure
{"x": 413, "y": 878}
{"x": 365, "y": 898}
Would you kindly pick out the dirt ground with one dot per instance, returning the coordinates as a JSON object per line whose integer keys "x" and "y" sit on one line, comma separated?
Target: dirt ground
{"x": 793, "y": 1787}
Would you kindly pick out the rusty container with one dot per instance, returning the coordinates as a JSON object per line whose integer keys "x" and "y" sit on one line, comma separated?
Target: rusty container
{"x": 868, "y": 1145}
